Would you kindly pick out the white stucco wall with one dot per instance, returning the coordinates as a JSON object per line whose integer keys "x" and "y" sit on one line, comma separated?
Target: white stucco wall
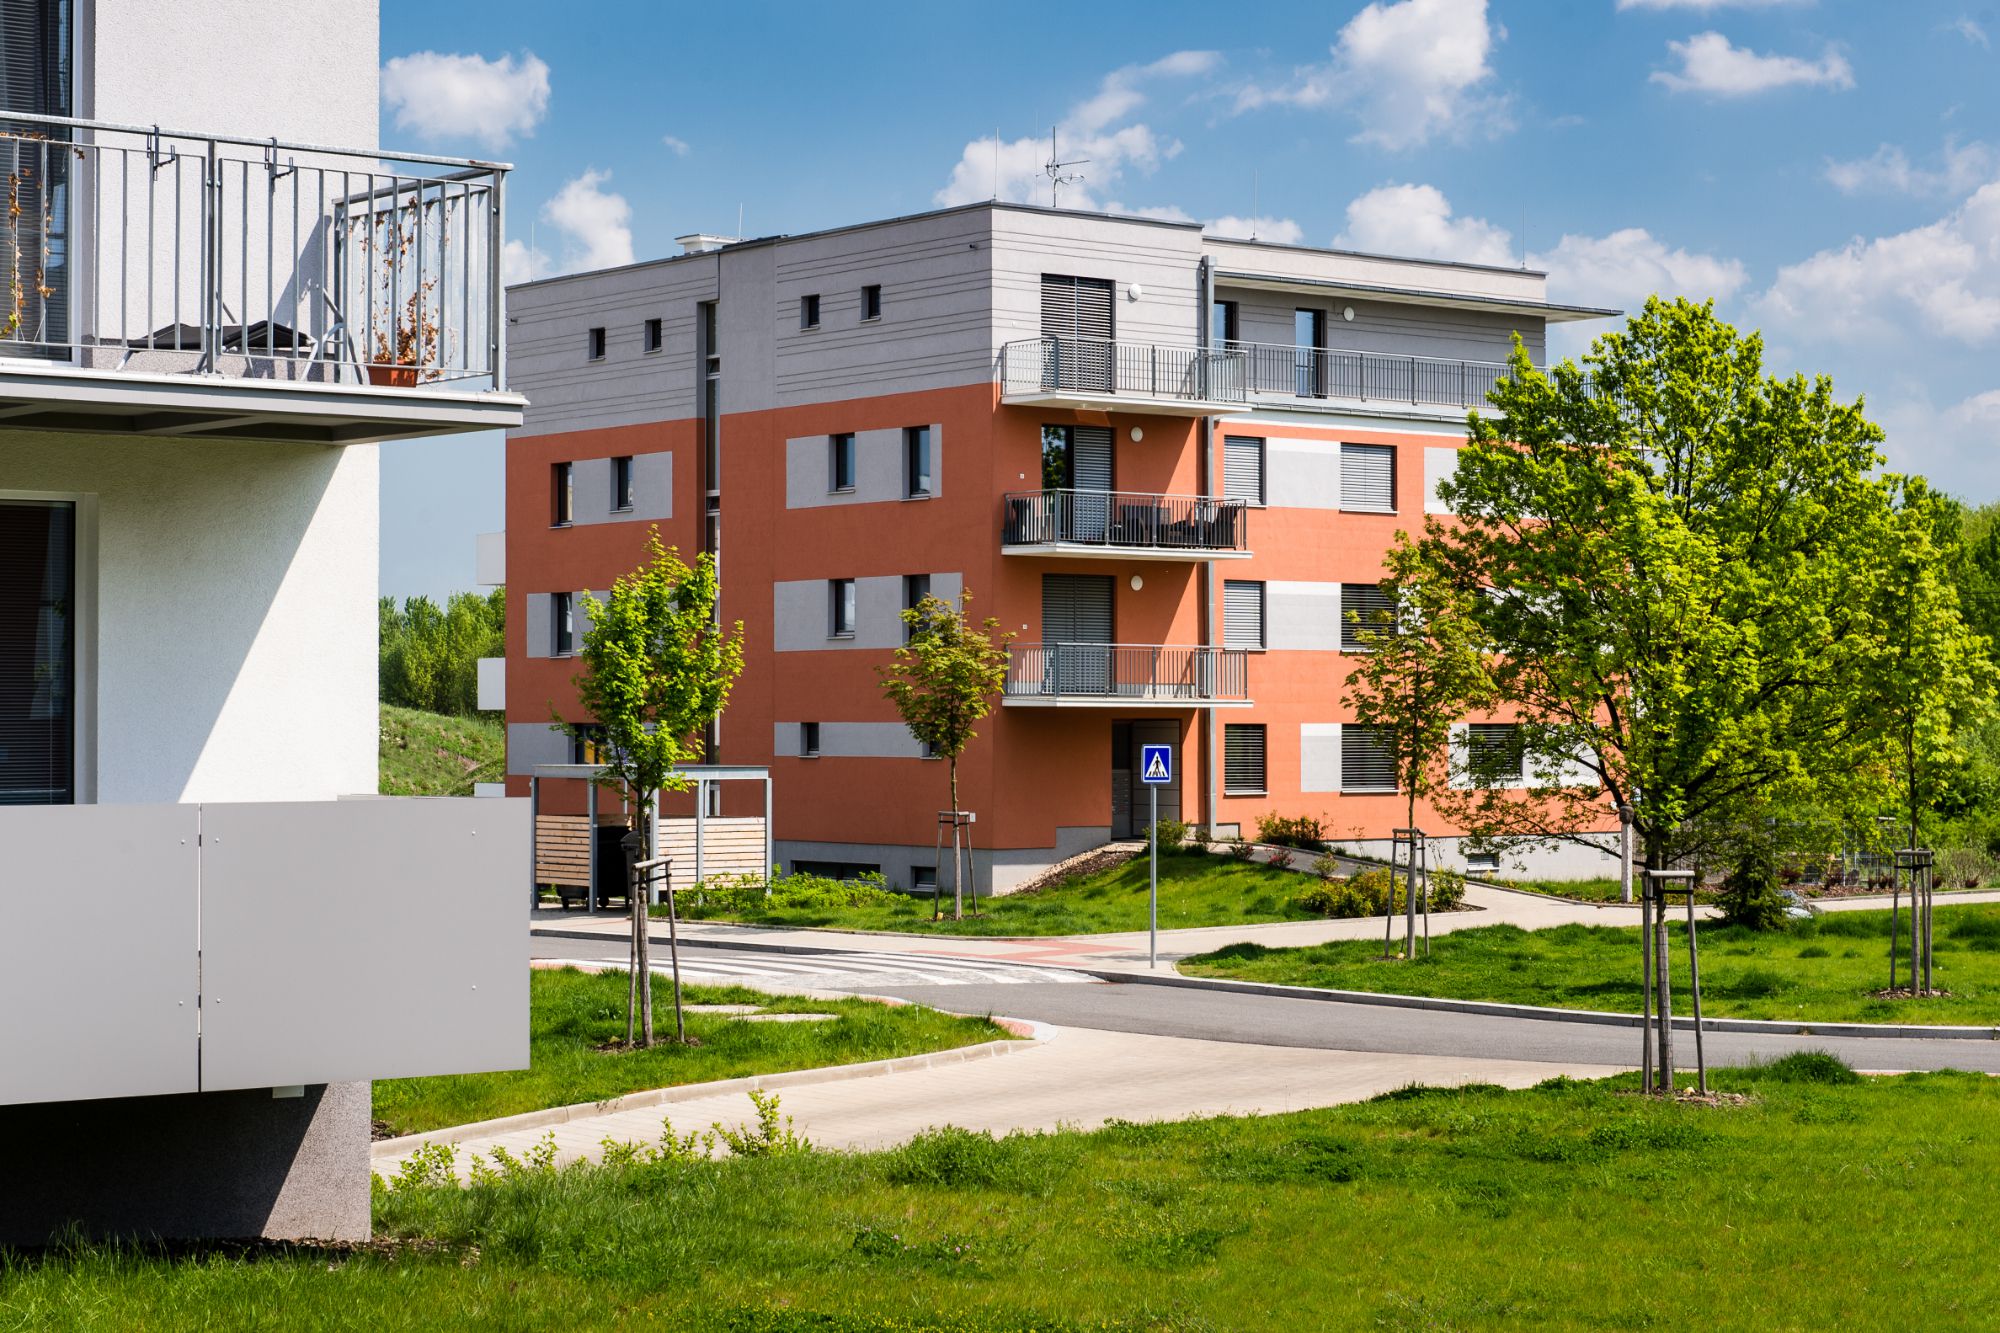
{"x": 235, "y": 626}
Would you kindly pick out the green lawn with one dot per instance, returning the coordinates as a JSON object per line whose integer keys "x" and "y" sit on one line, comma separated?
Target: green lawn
{"x": 1583, "y": 890}
{"x": 1812, "y": 1205}
{"x": 429, "y": 754}
{"x": 572, "y": 1013}
{"x": 1196, "y": 889}
{"x": 1820, "y": 969}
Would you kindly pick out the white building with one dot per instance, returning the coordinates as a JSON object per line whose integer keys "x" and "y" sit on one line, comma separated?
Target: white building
{"x": 205, "y": 951}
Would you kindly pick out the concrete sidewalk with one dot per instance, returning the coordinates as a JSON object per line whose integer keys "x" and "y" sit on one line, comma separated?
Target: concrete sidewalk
{"x": 1078, "y": 1078}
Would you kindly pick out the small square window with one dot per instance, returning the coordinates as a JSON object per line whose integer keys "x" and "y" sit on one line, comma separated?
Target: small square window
{"x": 808, "y": 740}
{"x": 809, "y": 311}
{"x": 871, "y": 301}
{"x": 916, "y": 461}
{"x": 1482, "y": 860}
{"x": 840, "y": 453}
{"x": 923, "y": 877}
{"x": 561, "y": 498}
{"x": 840, "y": 596}
{"x": 654, "y": 336}
{"x": 621, "y": 483}
{"x": 594, "y": 345}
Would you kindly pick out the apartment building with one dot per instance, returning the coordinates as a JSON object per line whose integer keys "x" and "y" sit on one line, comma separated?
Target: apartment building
{"x": 207, "y": 949}
{"x": 1168, "y": 463}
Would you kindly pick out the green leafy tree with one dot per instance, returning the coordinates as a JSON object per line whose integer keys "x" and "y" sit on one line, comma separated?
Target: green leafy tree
{"x": 429, "y": 657}
{"x": 1683, "y": 554}
{"x": 1425, "y": 666}
{"x": 944, "y": 682}
{"x": 657, "y": 671}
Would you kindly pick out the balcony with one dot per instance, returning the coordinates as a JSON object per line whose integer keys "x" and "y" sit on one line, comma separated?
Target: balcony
{"x": 1127, "y": 525}
{"x": 1121, "y": 675}
{"x": 1272, "y": 370}
{"x": 175, "y": 283}
{"x": 1091, "y": 374}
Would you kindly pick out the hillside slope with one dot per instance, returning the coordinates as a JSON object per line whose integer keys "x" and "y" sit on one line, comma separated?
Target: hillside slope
{"x": 429, "y": 754}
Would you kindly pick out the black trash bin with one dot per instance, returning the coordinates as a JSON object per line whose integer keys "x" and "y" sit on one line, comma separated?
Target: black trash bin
{"x": 608, "y": 855}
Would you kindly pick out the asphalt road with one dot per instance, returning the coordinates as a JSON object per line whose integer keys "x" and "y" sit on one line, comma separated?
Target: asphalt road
{"x": 1277, "y": 1021}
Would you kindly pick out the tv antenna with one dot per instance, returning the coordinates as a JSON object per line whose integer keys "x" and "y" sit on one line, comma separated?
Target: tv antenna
{"x": 1055, "y": 167}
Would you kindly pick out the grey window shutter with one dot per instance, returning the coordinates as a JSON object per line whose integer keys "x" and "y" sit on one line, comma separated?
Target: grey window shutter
{"x": 1372, "y": 605}
{"x": 1493, "y": 753}
{"x": 1090, "y": 458}
{"x": 1366, "y": 761}
{"x": 1242, "y": 614}
{"x": 1368, "y": 476}
{"x": 1243, "y": 469}
{"x": 1076, "y": 608}
{"x": 1243, "y": 757}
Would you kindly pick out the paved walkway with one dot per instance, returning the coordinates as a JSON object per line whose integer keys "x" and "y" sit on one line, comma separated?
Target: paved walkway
{"x": 1077, "y": 1077}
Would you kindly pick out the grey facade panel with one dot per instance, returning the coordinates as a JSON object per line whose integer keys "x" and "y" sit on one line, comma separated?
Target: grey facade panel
{"x": 540, "y": 627}
{"x": 1153, "y": 269}
{"x": 99, "y": 978}
{"x": 652, "y": 490}
{"x": 802, "y": 614}
{"x": 590, "y": 484}
{"x": 1302, "y": 617}
{"x": 1440, "y": 465}
{"x": 1302, "y": 474}
{"x": 324, "y": 930}
{"x": 1392, "y": 327}
{"x": 851, "y": 740}
{"x": 1319, "y": 756}
{"x": 532, "y": 743}
{"x": 878, "y": 468}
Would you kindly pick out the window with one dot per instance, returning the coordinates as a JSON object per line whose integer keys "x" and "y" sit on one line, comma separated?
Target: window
{"x": 1364, "y": 609}
{"x": 1243, "y": 469}
{"x": 1243, "y": 759}
{"x": 562, "y": 629}
{"x": 587, "y": 748}
{"x": 916, "y": 461}
{"x": 35, "y": 76}
{"x": 561, "y": 495}
{"x": 923, "y": 877}
{"x": 37, "y": 653}
{"x": 840, "y": 461}
{"x": 1242, "y": 614}
{"x": 711, "y": 400}
{"x": 1367, "y": 763}
{"x": 1224, "y": 330}
{"x": 1368, "y": 477}
{"x": 871, "y": 301}
{"x": 1309, "y": 353}
{"x": 808, "y": 740}
{"x": 836, "y": 869}
{"x": 809, "y": 311}
{"x": 1482, "y": 860}
{"x": 1495, "y": 754}
{"x": 594, "y": 345}
{"x": 916, "y": 587}
{"x": 621, "y": 483}
{"x": 840, "y": 598}
{"x": 652, "y": 336}
{"x": 926, "y": 750}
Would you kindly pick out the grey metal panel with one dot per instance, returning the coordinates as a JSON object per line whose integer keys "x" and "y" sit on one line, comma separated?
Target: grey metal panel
{"x": 362, "y": 939}
{"x": 590, "y": 483}
{"x": 1159, "y": 262}
{"x": 1390, "y": 327}
{"x": 800, "y": 620}
{"x": 878, "y": 468}
{"x": 532, "y": 743}
{"x": 1302, "y": 617}
{"x": 1440, "y": 464}
{"x": 1302, "y": 474}
{"x": 1319, "y": 756}
{"x": 99, "y": 976}
{"x": 1242, "y": 613}
{"x": 652, "y": 487}
{"x": 1368, "y": 477}
{"x": 540, "y": 626}
{"x": 851, "y": 740}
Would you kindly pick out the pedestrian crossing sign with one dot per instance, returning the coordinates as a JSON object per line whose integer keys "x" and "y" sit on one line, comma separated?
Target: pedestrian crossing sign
{"x": 1156, "y": 764}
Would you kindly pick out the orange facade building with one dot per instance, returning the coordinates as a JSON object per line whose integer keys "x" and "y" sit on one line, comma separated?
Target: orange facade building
{"x": 1167, "y": 463}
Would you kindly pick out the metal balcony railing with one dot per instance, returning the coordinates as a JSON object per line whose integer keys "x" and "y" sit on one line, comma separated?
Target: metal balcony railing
{"x": 1112, "y": 369}
{"x": 1313, "y": 372}
{"x": 1122, "y": 672}
{"x": 1124, "y": 519}
{"x": 132, "y": 248}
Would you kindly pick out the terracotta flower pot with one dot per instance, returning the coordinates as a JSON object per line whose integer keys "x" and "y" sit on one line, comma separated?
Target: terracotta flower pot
{"x": 395, "y": 377}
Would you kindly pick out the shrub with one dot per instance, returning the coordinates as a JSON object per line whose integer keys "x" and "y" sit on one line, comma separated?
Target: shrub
{"x": 1447, "y": 889}
{"x": 1750, "y": 892}
{"x": 1242, "y": 849}
{"x": 1171, "y": 833}
{"x": 745, "y": 894}
{"x": 1304, "y": 832}
{"x": 1335, "y": 898}
{"x": 1809, "y": 1067}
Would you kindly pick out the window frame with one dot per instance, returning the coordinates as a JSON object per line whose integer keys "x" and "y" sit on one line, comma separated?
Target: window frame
{"x": 843, "y": 608}
{"x": 841, "y": 443}
{"x": 1263, "y": 470}
{"x": 653, "y": 334}
{"x": 562, "y": 624}
{"x": 912, "y": 435}
{"x": 809, "y": 312}
{"x": 75, "y": 655}
{"x": 1482, "y": 736}
{"x": 597, "y": 344}
{"x": 1231, "y": 332}
{"x": 621, "y": 484}
{"x": 911, "y": 584}
{"x": 1395, "y": 468}
{"x": 1263, "y": 615}
{"x": 1350, "y": 632}
{"x": 809, "y": 740}
{"x": 562, "y": 494}
{"x": 1230, "y": 730}
{"x": 1347, "y": 788}
{"x": 871, "y": 302}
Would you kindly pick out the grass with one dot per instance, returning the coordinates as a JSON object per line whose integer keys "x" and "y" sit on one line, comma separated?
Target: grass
{"x": 1822, "y": 969}
{"x": 1569, "y": 1206}
{"x": 1583, "y": 890}
{"x": 572, "y": 1013}
{"x": 429, "y": 754}
{"x": 1196, "y": 889}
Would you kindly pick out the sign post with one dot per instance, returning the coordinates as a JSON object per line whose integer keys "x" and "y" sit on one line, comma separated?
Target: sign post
{"x": 1156, "y": 770}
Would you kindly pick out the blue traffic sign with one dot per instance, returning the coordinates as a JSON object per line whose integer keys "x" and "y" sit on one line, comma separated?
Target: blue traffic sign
{"x": 1156, "y": 764}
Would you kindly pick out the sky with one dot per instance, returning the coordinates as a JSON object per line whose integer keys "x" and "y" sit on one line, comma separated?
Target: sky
{"x": 1828, "y": 172}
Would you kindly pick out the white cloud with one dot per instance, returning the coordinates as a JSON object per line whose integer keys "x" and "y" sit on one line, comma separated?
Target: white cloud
{"x": 1970, "y": 30}
{"x": 1705, "y": 6}
{"x": 1282, "y": 231}
{"x": 1417, "y": 221}
{"x": 1937, "y": 280}
{"x": 1012, "y": 169}
{"x": 1961, "y": 168}
{"x": 1622, "y": 269}
{"x": 448, "y": 97}
{"x": 520, "y": 262}
{"x": 1957, "y": 447}
{"x": 596, "y": 224}
{"x": 677, "y": 146}
{"x": 1711, "y": 65}
{"x": 1410, "y": 71}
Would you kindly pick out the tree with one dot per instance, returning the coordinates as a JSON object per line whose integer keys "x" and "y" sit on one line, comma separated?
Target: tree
{"x": 429, "y": 658}
{"x": 944, "y": 681}
{"x": 1425, "y": 666}
{"x": 1683, "y": 554}
{"x": 657, "y": 671}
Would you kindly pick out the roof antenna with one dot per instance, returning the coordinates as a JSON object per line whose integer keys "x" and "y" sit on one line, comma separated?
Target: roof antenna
{"x": 1256, "y": 200}
{"x": 739, "y": 220}
{"x": 1054, "y": 167}
{"x": 996, "y": 164}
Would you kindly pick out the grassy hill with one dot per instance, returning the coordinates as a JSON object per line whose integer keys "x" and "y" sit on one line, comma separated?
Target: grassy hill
{"x": 429, "y": 754}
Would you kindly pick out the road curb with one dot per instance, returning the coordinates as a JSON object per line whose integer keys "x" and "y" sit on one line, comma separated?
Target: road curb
{"x": 1494, "y": 1009}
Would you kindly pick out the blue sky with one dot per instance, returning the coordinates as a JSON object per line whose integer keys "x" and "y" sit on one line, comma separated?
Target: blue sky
{"x": 1829, "y": 171}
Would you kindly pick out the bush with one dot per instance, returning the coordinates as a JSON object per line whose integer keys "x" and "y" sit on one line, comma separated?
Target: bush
{"x": 1336, "y": 898}
{"x": 1304, "y": 832}
{"x": 1171, "y": 832}
{"x": 1809, "y": 1067}
{"x": 1242, "y": 849}
{"x": 745, "y": 894}
{"x": 1749, "y": 895}
{"x": 1447, "y": 889}
{"x": 1370, "y": 893}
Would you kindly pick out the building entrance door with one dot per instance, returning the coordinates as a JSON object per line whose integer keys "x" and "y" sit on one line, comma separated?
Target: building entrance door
{"x": 1130, "y": 805}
